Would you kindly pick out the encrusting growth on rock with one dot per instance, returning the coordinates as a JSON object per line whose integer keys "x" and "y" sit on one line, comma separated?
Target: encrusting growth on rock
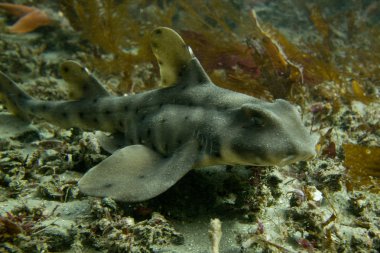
{"x": 215, "y": 233}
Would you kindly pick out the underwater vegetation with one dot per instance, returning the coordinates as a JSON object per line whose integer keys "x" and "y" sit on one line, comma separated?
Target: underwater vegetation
{"x": 118, "y": 33}
{"x": 214, "y": 30}
{"x": 363, "y": 165}
{"x": 236, "y": 49}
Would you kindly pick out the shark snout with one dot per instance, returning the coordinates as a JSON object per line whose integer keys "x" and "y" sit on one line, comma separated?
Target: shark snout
{"x": 301, "y": 152}
{"x": 307, "y": 155}
{"x": 302, "y": 156}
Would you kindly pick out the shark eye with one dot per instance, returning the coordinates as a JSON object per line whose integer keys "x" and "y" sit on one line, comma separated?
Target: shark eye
{"x": 253, "y": 116}
{"x": 253, "y": 122}
{"x": 257, "y": 120}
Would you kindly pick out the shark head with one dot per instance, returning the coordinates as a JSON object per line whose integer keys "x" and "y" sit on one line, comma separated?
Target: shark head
{"x": 264, "y": 133}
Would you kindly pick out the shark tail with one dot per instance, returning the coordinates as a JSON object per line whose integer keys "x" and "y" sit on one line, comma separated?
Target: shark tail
{"x": 13, "y": 97}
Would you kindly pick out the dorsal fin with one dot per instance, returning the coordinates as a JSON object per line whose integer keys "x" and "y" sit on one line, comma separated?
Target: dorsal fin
{"x": 12, "y": 95}
{"x": 177, "y": 63}
{"x": 82, "y": 84}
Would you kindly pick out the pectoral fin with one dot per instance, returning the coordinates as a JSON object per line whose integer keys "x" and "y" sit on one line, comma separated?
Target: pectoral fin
{"x": 137, "y": 173}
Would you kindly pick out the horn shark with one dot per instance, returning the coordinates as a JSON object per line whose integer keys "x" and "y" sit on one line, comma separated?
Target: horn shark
{"x": 156, "y": 137}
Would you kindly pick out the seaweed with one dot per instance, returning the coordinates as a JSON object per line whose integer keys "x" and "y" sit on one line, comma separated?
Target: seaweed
{"x": 347, "y": 54}
{"x": 113, "y": 30}
{"x": 363, "y": 165}
{"x": 359, "y": 93}
{"x": 22, "y": 220}
{"x": 230, "y": 43}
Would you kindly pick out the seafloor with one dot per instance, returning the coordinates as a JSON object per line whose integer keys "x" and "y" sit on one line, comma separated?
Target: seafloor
{"x": 328, "y": 204}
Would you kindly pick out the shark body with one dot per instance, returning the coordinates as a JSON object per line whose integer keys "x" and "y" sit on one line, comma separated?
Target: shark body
{"x": 157, "y": 136}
